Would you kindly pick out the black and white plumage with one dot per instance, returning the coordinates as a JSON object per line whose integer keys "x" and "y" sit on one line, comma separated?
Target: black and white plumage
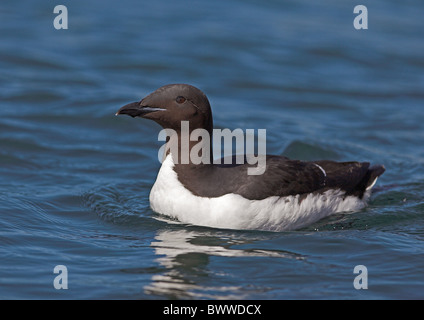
{"x": 290, "y": 194}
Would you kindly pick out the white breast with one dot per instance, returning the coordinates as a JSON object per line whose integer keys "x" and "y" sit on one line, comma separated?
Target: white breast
{"x": 169, "y": 197}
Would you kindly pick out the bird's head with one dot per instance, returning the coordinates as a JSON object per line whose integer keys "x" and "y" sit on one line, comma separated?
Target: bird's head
{"x": 171, "y": 104}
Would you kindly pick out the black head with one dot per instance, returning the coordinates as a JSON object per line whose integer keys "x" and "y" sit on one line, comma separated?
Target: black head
{"x": 171, "y": 104}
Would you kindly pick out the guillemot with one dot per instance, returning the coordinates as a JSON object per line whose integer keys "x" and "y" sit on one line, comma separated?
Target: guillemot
{"x": 290, "y": 194}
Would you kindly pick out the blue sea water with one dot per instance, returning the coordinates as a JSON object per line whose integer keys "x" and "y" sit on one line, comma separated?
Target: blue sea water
{"x": 75, "y": 179}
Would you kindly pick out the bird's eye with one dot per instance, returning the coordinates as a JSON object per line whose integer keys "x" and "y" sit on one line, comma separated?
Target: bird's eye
{"x": 180, "y": 99}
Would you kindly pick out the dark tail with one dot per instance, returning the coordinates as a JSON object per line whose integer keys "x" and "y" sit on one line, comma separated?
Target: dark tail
{"x": 352, "y": 177}
{"x": 370, "y": 178}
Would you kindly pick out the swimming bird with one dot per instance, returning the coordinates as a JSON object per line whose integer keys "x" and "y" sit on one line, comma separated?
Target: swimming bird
{"x": 290, "y": 194}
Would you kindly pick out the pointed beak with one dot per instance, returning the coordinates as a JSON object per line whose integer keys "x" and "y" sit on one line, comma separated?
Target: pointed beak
{"x": 135, "y": 109}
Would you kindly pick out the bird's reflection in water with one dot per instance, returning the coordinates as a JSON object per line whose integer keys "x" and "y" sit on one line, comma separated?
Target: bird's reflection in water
{"x": 184, "y": 255}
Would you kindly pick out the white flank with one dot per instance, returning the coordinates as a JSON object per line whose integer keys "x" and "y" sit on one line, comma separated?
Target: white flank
{"x": 169, "y": 197}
